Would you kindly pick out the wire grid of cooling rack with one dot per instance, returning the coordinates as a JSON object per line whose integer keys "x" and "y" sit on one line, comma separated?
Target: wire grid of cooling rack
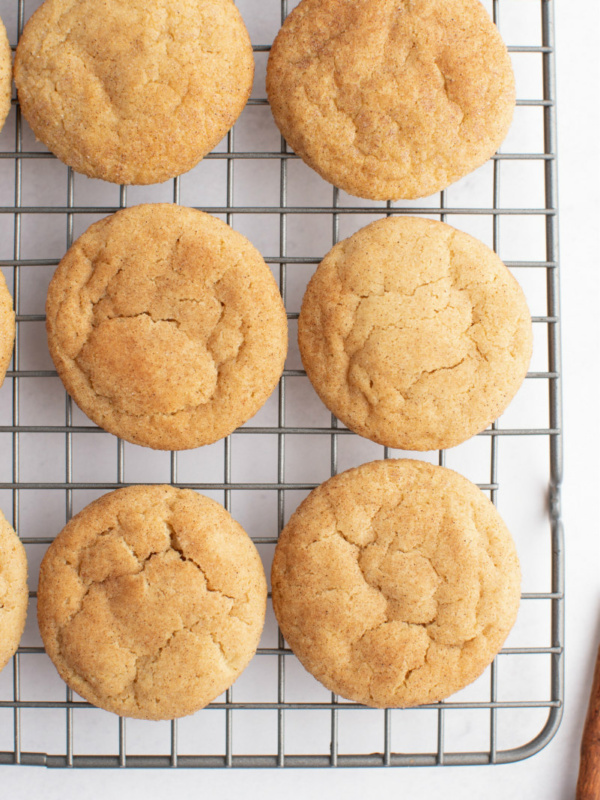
{"x": 20, "y": 711}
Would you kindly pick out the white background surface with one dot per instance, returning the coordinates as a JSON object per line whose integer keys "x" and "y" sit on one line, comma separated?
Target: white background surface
{"x": 551, "y": 774}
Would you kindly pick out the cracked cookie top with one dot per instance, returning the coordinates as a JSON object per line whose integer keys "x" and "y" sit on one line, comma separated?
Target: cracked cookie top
{"x": 396, "y": 583}
{"x": 7, "y": 328}
{"x": 391, "y": 99}
{"x": 414, "y": 334}
{"x": 5, "y": 75}
{"x": 14, "y": 595}
{"x": 133, "y": 92}
{"x": 166, "y": 326}
{"x": 151, "y": 602}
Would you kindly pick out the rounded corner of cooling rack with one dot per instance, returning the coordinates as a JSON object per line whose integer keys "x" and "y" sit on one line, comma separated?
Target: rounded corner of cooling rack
{"x": 538, "y": 743}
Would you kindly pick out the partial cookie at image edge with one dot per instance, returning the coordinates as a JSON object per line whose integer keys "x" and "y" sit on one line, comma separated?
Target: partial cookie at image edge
{"x": 7, "y": 328}
{"x": 5, "y": 75}
{"x": 14, "y": 594}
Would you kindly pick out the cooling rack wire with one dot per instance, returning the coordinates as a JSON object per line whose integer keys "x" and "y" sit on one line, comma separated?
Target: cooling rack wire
{"x": 53, "y": 461}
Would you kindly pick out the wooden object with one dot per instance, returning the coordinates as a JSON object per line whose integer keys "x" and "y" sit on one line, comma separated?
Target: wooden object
{"x": 588, "y": 784}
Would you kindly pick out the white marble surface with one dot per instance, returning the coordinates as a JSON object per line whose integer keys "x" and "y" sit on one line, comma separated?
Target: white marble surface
{"x": 551, "y": 774}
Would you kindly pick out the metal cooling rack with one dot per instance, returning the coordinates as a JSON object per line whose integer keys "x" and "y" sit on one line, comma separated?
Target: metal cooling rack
{"x": 23, "y": 709}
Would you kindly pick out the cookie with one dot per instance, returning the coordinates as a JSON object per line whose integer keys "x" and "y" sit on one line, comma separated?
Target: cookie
{"x": 166, "y": 326}
{"x": 414, "y": 334}
{"x": 134, "y": 92}
{"x": 7, "y": 328}
{"x": 5, "y": 75}
{"x": 396, "y": 583}
{"x": 14, "y": 595}
{"x": 151, "y": 602}
{"x": 391, "y": 99}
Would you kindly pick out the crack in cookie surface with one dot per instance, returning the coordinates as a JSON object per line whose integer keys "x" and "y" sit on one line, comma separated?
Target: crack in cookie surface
{"x": 151, "y": 602}
{"x": 396, "y": 583}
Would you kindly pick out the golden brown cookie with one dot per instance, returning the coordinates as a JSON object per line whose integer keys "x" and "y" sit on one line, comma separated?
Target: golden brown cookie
{"x": 414, "y": 334}
{"x": 391, "y": 99}
{"x": 7, "y": 328}
{"x": 137, "y": 91}
{"x": 396, "y": 583}
{"x": 166, "y": 326}
{"x": 151, "y": 602}
{"x": 14, "y": 595}
{"x": 5, "y": 75}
